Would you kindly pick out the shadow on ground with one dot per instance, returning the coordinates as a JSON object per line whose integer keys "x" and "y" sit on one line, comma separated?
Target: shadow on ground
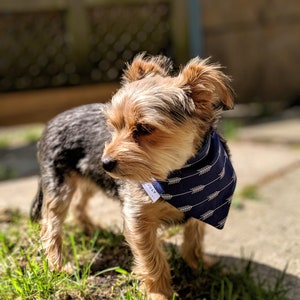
{"x": 230, "y": 278}
{"x": 268, "y": 276}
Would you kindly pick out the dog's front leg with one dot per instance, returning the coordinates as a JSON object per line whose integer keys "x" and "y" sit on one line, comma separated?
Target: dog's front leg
{"x": 141, "y": 224}
{"x": 192, "y": 246}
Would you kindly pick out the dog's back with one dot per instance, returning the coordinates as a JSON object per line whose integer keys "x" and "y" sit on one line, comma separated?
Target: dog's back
{"x": 72, "y": 143}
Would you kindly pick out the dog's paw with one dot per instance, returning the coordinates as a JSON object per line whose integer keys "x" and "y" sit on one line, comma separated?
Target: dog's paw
{"x": 205, "y": 261}
{"x": 68, "y": 268}
{"x": 164, "y": 294}
{"x": 156, "y": 296}
{"x": 208, "y": 261}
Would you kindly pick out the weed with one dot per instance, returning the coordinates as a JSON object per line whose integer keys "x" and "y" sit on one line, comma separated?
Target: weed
{"x": 250, "y": 192}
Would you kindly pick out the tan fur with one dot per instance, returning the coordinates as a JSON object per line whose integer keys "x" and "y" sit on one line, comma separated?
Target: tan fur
{"x": 142, "y": 218}
{"x": 54, "y": 214}
{"x": 158, "y": 122}
{"x": 167, "y": 148}
{"x": 85, "y": 190}
{"x": 77, "y": 190}
{"x": 208, "y": 84}
{"x": 143, "y": 66}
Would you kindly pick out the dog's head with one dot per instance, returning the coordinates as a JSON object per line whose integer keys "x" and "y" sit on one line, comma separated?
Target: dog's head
{"x": 159, "y": 121}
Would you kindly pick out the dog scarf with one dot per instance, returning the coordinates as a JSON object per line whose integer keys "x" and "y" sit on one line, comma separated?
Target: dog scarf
{"x": 203, "y": 188}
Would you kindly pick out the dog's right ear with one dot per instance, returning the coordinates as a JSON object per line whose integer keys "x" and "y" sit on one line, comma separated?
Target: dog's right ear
{"x": 145, "y": 66}
{"x": 208, "y": 85}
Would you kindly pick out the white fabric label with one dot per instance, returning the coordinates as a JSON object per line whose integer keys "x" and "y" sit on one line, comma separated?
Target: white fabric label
{"x": 151, "y": 191}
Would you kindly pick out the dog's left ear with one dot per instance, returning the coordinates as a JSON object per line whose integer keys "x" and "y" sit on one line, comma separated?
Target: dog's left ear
{"x": 207, "y": 84}
{"x": 143, "y": 66}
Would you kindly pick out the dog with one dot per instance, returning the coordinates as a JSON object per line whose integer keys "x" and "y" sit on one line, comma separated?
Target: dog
{"x": 155, "y": 147}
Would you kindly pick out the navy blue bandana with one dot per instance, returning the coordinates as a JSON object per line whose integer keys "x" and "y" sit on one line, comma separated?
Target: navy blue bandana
{"x": 203, "y": 188}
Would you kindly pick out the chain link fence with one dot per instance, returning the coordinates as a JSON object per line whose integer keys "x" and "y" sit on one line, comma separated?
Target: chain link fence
{"x": 39, "y": 50}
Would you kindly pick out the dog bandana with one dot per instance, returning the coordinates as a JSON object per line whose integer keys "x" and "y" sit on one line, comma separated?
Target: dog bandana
{"x": 203, "y": 188}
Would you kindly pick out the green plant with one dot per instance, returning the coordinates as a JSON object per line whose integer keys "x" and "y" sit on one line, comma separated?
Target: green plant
{"x": 21, "y": 135}
{"x": 101, "y": 263}
{"x": 250, "y": 192}
{"x": 229, "y": 128}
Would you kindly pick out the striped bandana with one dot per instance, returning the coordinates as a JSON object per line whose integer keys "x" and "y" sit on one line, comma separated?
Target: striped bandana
{"x": 203, "y": 188}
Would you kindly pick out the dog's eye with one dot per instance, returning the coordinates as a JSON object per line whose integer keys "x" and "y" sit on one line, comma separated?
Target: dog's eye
{"x": 142, "y": 130}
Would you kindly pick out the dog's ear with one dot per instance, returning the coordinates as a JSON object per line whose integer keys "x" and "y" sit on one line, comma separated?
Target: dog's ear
{"x": 143, "y": 66}
{"x": 206, "y": 83}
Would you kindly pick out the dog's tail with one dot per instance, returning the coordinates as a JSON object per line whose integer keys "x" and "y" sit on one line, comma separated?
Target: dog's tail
{"x": 37, "y": 204}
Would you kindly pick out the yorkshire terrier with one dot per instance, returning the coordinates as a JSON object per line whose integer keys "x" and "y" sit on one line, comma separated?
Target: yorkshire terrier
{"x": 154, "y": 147}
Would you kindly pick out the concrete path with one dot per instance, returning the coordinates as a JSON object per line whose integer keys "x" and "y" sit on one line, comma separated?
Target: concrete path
{"x": 267, "y": 230}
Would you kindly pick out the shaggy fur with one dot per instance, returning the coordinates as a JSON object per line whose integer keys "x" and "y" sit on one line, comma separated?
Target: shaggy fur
{"x": 152, "y": 126}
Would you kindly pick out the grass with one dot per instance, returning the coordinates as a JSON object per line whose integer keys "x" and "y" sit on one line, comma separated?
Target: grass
{"x": 250, "y": 192}
{"x": 20, "y": 135}
{"x": 102, "y": 263}
{"x": 229, "y": 128}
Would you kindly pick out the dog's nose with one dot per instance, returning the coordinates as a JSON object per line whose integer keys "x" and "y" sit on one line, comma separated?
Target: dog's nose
{"x": 108, "y": 163}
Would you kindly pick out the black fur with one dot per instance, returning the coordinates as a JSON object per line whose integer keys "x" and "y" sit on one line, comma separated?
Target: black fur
{"x": 73, "y": 142}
